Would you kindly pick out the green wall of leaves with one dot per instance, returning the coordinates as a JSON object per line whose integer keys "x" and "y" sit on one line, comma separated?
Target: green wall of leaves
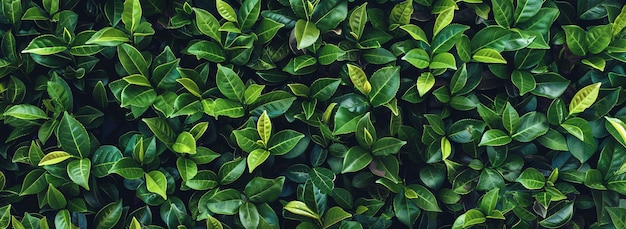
{"x": 312, "y": 114}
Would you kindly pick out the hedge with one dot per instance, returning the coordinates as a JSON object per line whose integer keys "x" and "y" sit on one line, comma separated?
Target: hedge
{"x": 313, "y": 114}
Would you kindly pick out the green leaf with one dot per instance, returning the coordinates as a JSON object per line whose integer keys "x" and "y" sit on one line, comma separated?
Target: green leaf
{"x": 385, "y": 84}
{"x": 25, "y": 112}
{"x": 229, "y": 83}
{"x": 256, "y": 158}
{"x": 264, "y": 128}
{"x": 73, "y": 137}
{"x": 405, "y": 210}
{"x": 306, "y": 33}
{"x": 55, "y": 198}
{"x": 132, "y": 60}
{"x": 131, "y": 16}
{"x": 249, "y": 13}
{"x": 617, "y": 128}
{"x": 425, "y": 198}
{"x": 576, "y": 39}
{"x": 595, "y": 62}
{"x": 503, "y": 12}
{"x": 473, "y": 217}
{"x": 185, "y": 143}
{"x": 584, "y": 98}
{"x": 447, "y": 38}
{"x": 78, "y": 171}
{"x": 109, "y": 215}
{"x": 619, "y": 23}
{"x": 524, "y": 81}
{"x": 207, "y": 50}
{"x": 284, "y": 141}
{"x": 618, "y": 216}
{"x": 5, "y": 216}
{"x": 356, "y": 159}
{"x": 157, "y": 183}
{"x": 443, "y": 20}
{"x": 34, "y": 182}
{"x": 300, "y": 208}
{"x": 510, "y": 118}
{"x": 559, "y": 218}
{"x": 262, "y": 190}
{"x": 208, "y": 24}
{"x": 54, "y": 157}
{"x": 401, "y": 13}
{"x": 252, "y": 93}
{"x": 267, "y": 29}
{"x": 357, "y": 21}
{"x": 553, "y": 140}
{"x": 108, "y": 36}
{"x": 187, "y": 168}
{"x": 231, "y": 171}
{"x": 494, "y": 137}
{"x": 45, "y": 45}
{"x": 387, "y": 146}
{"x": 489, "y": 201}
{"x": 598, "y": 38}
{"x": 323, "y": 179}
{"x": 162, "y": 130}
{"x": 127, "y": 168}
{"x": 425, "y": 82}
{"x": 489, "y": 56}
{"x": 531, "y": 179}
{"x": 526, "y": 9}
{"x": 532, "y": 125}
{"x": 378, "y": 56}
{"x": 415, "y": 32}
{"x": 359, "y": 79}
{"x": 418, "y": 58}
{"x": 335, "y": 215}
{"x": 225, "y": 202}
{"x": 12, "y": 10}
{"x": 226, "y": 11}
{"x": 329, "y": 53}
{"x": 249, "y": 215}
{"x": 442, "y": 61}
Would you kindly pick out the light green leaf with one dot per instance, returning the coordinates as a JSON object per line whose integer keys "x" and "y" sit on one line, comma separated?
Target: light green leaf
{"x": 26, "y": 112}
{"x": 208, "y": 24}
{"x": 417, "y": 57}
{"x": 425, "y": 82}
{"x": 54, "y": 157}
{"x": 598, "y": 38}
{"x": 156, "y": 183}
{"x": 108, "y": 36}
{"x": 300, "y": 208}
{"x": 335, "y": 215}
{"x": 226, "y": 11}
{"x": 187, "y": 168}
{"x": 489, "y": 56}
{"x": 45, "y": 45}
{"x": 358, "y": 18}
{"x": 359, "y": 79}
{"x": 264, "y": 127}
{"x": 617, "y": 128}
{"x": 443, "y": 60}
{"x": 494, "y": 137}
{"x": 510, "y": 118}
{"x": 576, "y": 39}
{"x": 415, "y": 32}
{"x": 185, "y": 143}
{"x": 443, "y": 20}
{"x": 401, "y": 13}
{"x": 531, "y": 179}
{"x": 131, "y": 16}
{"x": 584, "y": 98}
{"x": 256, "y": 158}
{"x": 306, "y": 33}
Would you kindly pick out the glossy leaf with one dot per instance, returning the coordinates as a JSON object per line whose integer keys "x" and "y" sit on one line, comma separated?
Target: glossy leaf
{"x": 584, "y": 98}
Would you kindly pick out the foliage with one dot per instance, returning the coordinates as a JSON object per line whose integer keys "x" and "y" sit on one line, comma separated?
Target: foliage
{"x": 312, "y": 114}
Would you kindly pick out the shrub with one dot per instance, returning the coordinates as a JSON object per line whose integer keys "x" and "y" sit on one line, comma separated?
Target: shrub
{"x": 315, "y": 114}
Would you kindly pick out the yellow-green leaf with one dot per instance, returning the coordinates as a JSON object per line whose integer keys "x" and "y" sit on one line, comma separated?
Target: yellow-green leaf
{"x": 264, "y": 127}
{"x": 489, "y": 56}
{"x": 156, "y": 183}
{"x": 54, "y": 157}
{"x": 359, "y": 79}
{"x": 584, "y": 98}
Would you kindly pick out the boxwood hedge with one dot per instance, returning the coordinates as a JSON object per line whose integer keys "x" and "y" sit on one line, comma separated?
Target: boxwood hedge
{"x": 312, "y": 114}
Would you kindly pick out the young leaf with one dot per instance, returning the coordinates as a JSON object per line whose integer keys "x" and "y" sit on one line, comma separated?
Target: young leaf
{"x": 584, "y": 98}
{"x": 300, "y": 208}
{"x": 617, "y": 128}
{"x": 418, "y": 58}
{"x": 131, "y": 16}
{"x": 54, "y": 157}
{"x": 425, "y": 82}
{"x": 226, "y": 11}
{"x": 45, "y": 45}
{"x": 256, "y": 158}
{"x": 156, "y": 183}
{"x": 208, "y": 24}
{"x": 185, "y": 143}
{"x": 359, "y": 79}
{"x": 264, "y": 128}
{"x": 489, "y": 56}
{"x": 358, "y": 18}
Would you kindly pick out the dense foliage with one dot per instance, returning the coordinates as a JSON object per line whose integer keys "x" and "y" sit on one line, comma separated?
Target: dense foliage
{"x": 312, "y": 113}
